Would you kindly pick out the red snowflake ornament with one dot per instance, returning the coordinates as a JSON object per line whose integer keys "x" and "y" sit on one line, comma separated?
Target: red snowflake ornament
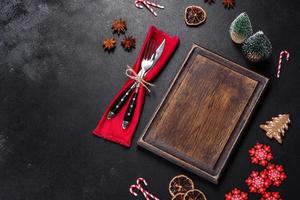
{"x": 275, "y": 173}
{"x": 236, "y": 194}
{"x": 260, "y": 154}
{"x": 271, "y": 196}
{"x": 258, "y": 182}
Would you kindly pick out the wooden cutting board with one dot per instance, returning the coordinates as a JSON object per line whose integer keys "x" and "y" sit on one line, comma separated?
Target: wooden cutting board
{"x": 203, "y": 114}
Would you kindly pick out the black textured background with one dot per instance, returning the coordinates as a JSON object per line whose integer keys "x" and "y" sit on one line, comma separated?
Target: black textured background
{"x": 56, "y": 80}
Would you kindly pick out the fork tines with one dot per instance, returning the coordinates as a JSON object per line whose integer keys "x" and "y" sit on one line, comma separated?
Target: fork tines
{"x": 149, "y": 50}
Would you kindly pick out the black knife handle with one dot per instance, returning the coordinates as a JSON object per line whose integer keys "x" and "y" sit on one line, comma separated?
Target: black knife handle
{"x": 130, "y": 111}
{"x": 120, "y": 102}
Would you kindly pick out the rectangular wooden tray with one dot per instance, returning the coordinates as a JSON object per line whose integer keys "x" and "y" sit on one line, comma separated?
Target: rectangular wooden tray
{"x": 203, "y": 114}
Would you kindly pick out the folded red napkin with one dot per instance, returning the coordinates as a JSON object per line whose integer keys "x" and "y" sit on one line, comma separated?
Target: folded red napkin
{"x": 111, "y": 129}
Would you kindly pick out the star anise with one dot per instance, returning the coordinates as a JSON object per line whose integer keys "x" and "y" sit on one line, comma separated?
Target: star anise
{"x": 229, "y": 3}
{"x": 209, "y": 1}
{"x": 109, "y": 44}
{"x": 119, "y": 26}
{"x": 128, "y": 43}
{"x": 194, "y": 15}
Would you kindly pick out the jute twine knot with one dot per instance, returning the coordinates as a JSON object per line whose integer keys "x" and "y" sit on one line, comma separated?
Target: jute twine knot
{"x": 130, "y": 73}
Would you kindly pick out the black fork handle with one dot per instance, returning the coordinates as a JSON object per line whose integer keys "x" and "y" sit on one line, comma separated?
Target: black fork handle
{"x": 120, "y": 102}
{"x": 130, "y": 110}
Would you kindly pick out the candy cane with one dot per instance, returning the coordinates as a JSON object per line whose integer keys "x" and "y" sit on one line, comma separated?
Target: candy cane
{"x": 280, "y": 61}
{"x": 138, "y": 186}
{"x": 142, "y": 3}
{"x": 144, "y": 191}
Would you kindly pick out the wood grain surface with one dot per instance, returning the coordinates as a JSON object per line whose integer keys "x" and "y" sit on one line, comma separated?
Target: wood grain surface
{"x": 203, "y": 110}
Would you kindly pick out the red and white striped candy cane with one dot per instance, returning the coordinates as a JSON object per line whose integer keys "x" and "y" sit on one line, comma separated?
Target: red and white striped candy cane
{"x": 139, "y": 187}
{"x": 280, "y": 61}
{"x": 142, "y": 3}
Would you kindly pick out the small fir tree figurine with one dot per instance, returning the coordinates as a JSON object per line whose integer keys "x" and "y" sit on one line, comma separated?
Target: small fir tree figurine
{"x": 241, "y": 28}
{"x": 276, "y": 128}
{"x": 257, "y": 47}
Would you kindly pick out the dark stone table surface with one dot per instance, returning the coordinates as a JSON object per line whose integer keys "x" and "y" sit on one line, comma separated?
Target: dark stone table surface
{"x": 56, "y": 80}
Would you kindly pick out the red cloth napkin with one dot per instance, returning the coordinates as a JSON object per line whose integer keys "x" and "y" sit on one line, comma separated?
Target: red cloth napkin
{"x": 111, "y": 129}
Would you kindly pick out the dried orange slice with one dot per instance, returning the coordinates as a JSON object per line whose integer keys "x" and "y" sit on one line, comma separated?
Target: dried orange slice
{"x": 180, "y": 184}
{"x": 194, "y": 195}
{"x": 194, "y": 15}
{"x": 179, "y": 196}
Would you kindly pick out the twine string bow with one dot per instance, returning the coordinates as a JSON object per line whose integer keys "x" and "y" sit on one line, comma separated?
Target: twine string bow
{"x": 130, "y": 73}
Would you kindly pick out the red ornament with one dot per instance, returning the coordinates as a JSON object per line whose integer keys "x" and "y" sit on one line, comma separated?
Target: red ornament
{"x": 236, "y": 194}
{"x": 258, "y": 182}
{"x": 275, "y": 173}
{"x": 271, "y": 196}
{"x": 260, "y": 154}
